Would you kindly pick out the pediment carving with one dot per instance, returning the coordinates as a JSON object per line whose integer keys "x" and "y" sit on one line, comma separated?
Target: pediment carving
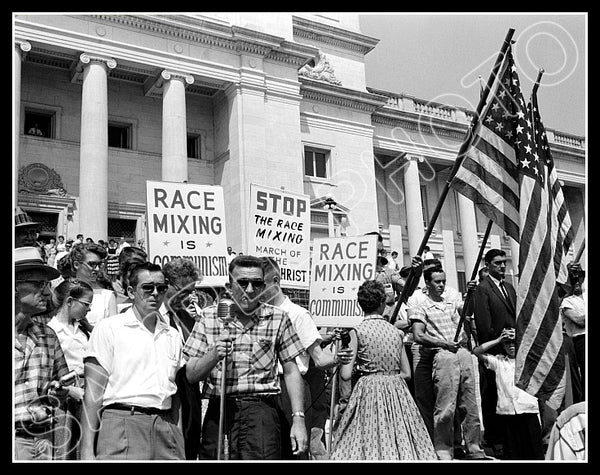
{"x": 321, "y": 70}
{"x": 40, "y": 179}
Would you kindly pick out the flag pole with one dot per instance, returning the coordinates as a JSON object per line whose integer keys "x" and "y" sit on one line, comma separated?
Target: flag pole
{"x": 463, "y": 313}
{"x": 459, "y": 159}
{"x": 537, "y": 82}
{"x": 580, "y": 252}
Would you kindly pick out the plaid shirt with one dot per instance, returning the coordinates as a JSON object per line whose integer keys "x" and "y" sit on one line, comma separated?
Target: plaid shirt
{"x": 252, "y": 367}
{"x": 38, "y": 362}
{"x": 440, "y": 318}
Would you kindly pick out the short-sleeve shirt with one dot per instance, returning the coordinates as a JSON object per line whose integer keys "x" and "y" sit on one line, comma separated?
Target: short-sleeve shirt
{"x": 440, "y": 318}
{"x": 39, "y": 359}
{"x": 511, "y": 399}
{"x": 252, "y": 366}
{"x": 73, "y": 342}
{"x": 305, "y": 328}
{"x": 141, "y": 365}
{"x": 577, "y": 304}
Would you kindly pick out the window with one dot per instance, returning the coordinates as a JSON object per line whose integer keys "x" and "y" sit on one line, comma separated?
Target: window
{"x": 424, "y": 206}
{"x": 193, "y": 146}
{"x": 119, "y": 135}
{"x": 315, "y": 162}
{"x": 462, "y": 281}
{"x": 48, "y": 223}
{"x": 39, "y": 123}
{"x": 118, "y": 228}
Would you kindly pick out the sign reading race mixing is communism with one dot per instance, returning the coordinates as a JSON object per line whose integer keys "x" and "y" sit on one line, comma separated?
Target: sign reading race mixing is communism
{"x": 187, "y": 220}
{"x": 339, "y": 267}
{"x": 279, "y": 227}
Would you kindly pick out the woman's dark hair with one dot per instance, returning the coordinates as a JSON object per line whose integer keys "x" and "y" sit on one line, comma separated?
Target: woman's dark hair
{"x": 371, "y": 294}
{"x": 71, "y": 288}
{"x": 127, "y": 257}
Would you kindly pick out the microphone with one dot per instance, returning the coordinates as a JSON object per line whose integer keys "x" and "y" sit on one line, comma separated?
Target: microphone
{"x": 224, "y": 310}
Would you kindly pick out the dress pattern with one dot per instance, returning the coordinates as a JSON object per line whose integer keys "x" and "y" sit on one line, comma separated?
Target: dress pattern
{"x": 381, "y": 421}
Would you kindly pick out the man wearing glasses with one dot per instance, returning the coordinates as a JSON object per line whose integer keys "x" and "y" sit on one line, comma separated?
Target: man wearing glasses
{"x": 39, "y": 359}
{"x": 130, "y": 369}
{"x": 258, "y": 336}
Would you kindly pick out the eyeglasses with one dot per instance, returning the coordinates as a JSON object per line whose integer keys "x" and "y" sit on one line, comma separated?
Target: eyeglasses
{"x": 84, "y": 303}
{"x": 256, "y": 283}
{"x": 149, "y": 288}
{"x": 94, "y": 264}
{"x": 40, "y": 284}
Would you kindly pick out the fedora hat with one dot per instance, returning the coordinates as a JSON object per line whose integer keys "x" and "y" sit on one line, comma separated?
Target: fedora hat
{"x": 22, "y": 219}
{"x": 28, "y": 258}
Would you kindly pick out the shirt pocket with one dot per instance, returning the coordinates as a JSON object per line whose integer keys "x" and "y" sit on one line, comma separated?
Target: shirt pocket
{"x": 172, "y": 367}
{"x": 262, "y": 354}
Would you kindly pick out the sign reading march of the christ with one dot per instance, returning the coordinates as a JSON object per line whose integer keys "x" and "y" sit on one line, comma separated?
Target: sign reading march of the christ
{"x": 280, "y": 228}
{"x": 187, "y": 220}
{"x": 339, "y": 267}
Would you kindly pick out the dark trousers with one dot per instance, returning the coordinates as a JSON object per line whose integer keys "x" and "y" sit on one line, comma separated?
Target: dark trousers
{"x": 522, "y": 437}
{"x": 253, "y": 430}
{"x": 492, "y": 424}
{"x": 191, "y": 415}
{"x": 579, "y": 346}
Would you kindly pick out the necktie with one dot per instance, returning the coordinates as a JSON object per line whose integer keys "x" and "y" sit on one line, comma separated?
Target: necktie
{"x": 503, "y": 289}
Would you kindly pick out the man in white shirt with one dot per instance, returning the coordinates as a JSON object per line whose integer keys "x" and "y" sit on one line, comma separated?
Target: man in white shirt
{"x": 130, "y": 369}
{"x": 309, "y": 337}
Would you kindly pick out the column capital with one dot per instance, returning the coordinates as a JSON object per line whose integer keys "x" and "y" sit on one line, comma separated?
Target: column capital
{"x": 416, "y": 158}
{"x": 153, "y": 86}
{"x": 85, "y": 59}
{"x": 22, "y": 46}
{"x": 168, "y": 75}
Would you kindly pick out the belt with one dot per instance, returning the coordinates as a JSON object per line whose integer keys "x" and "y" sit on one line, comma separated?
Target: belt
{"x": 29, "y": 429}
{"x": 133, "y": 409}
{"x": 251, "y": 397}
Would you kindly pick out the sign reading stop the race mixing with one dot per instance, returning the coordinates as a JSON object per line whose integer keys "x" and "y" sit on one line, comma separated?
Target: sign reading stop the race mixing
{"x": 279, "y": 227}
{"x": 339, "y": 267}
{"x": 187, "y": 220}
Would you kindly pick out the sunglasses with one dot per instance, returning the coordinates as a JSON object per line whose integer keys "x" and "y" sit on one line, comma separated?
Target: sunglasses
{"x": 94, "y": 264}
{"x": 84, "y": 303}
{"x": 149, "y": 288}
{"x": 40, "y": 284}
{"x": 256, "y": 283}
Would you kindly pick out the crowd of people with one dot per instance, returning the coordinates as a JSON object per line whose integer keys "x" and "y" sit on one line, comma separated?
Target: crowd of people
{"x": 117, "y": 358}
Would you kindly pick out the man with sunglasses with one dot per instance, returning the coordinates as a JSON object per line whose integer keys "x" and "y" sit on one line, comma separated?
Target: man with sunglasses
{"x": 39, "y": 361}
{"x": 130, "y": 368}
{"x": 257, "y": 337}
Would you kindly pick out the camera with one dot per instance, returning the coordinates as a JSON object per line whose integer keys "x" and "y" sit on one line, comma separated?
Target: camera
{"x": 68, "y": 379}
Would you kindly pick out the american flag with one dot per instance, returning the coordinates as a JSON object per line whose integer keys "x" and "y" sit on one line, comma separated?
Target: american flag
{"x": 509, "y": 174}
{"x": 546, "y": 236}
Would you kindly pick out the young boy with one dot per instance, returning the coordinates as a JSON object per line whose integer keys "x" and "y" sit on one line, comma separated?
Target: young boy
{"x": 518, "y": 411}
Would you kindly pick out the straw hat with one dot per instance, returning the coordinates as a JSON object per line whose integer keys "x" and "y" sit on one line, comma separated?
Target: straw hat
{"x": 22, "y": 219}
{"x": 28, "y": 258}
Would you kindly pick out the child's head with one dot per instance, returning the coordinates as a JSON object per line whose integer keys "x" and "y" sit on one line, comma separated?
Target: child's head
{"x": 508, "y": 344}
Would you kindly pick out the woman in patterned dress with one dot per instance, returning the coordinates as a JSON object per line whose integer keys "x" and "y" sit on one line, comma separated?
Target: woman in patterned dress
{"x": 381, "y": 420}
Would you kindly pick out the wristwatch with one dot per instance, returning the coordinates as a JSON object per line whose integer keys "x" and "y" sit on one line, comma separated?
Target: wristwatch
{"x": 298, "y": 414}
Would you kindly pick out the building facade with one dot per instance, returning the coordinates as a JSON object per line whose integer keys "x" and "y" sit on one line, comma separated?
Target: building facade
{"x": 103, "y": 103}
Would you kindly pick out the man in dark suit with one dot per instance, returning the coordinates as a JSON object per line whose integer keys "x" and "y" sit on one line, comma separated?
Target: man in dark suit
{"x": 494, "y": 305}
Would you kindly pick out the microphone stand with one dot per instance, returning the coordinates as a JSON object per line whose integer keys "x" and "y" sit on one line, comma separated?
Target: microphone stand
{"x": 332, "y": 402}
{"x": 222, "y": 443}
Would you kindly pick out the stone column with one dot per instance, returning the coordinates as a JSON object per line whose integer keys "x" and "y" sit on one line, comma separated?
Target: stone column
{"x": 414, "y": 211}
{"x": 174, "y": 126}
{"x": 93, "y": 162}
{"x": 468, "y": 229}
{"x": 21, "y": 47}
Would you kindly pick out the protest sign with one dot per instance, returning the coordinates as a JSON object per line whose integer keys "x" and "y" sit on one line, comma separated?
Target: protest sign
{"x": 339, "y": 267}
{"x": 280, "y": 228}
{"x": 187, "y": 220}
